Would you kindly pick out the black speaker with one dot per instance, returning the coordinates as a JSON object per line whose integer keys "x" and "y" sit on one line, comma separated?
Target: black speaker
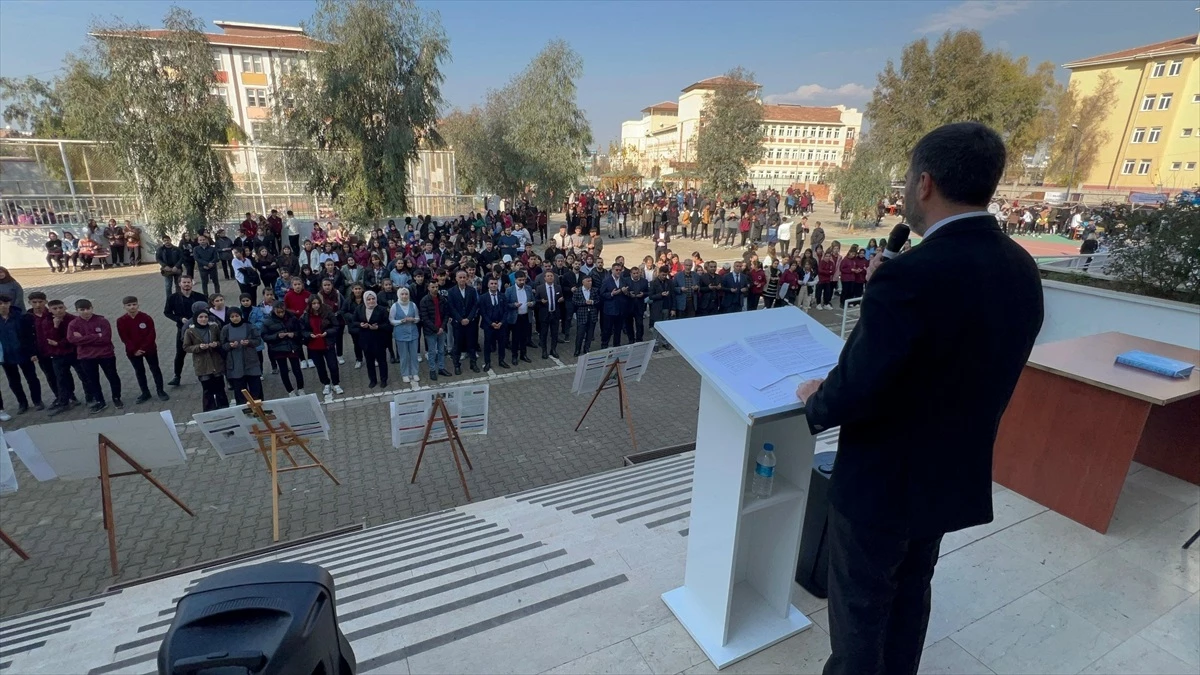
{"x": 270, "y": 619}
{"x": 812, "y": 570}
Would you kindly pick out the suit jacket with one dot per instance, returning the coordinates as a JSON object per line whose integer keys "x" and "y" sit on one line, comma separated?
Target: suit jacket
{"x": 639, "y": 291}
{"x": 460, "y": 307}
{"x": 659, "y": 304}
{"x": 733, "y": 295}
{"x": 543, "y": 293}
{"x": 615, "y": 304}
{"x": 510, "y": 298}
{"x": 489, "y": 313}
{"x": 919, "y": 396}
{"x": 684, "y": 279}
{"x": 584, "y": 311}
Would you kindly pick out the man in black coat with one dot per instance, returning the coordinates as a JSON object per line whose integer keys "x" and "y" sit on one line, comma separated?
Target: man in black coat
{"x": 549, "y": 296}
{"x": 918, "y": 392}
{"x": 463, "y": 301}
{"x": 491, "y": 316}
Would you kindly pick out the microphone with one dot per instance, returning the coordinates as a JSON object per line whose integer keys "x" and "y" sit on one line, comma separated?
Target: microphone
{"x": 896, "y": 241}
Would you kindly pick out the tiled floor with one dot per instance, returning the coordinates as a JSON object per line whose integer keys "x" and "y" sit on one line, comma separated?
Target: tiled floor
{"x": 567, "y": 578}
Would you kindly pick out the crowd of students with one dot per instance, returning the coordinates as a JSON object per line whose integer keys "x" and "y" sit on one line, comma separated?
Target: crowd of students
{"x": 111, "y": 246}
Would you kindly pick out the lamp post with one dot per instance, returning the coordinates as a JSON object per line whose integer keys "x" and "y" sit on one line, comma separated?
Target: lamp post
{"x": 1075, "y": 161}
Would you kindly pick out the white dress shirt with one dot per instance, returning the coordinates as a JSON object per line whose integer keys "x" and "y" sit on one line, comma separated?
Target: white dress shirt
{"x": 970, "y": 214}
{"x": 522, "y": 300}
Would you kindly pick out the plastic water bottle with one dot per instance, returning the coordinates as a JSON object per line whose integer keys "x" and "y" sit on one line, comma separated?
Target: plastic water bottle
{"x": 764, "y": 472}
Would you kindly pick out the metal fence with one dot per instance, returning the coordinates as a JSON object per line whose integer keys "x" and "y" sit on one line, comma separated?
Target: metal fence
{"x": 44, "y": 181}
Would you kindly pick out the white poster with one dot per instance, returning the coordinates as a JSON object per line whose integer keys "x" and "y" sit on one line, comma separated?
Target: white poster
{"x": 467, "y": 405}
{"x": 590, "y": 368}
{"x": 71, "y": 450}
{"x": 8, "y": 478}
{"x": 230, "y": 430}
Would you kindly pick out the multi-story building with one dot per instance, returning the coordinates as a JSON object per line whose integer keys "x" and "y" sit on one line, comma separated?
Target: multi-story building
{"x": 1154, "y": 128}
{"x": 800, "y": 142}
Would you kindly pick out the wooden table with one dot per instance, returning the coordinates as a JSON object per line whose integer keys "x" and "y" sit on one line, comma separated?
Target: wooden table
{"x": 1077, "y": 420}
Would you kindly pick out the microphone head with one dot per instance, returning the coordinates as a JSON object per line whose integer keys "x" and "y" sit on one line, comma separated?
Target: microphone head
{"x": 896, "y": 241}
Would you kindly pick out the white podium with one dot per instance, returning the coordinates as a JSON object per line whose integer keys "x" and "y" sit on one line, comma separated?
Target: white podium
{"x": 742, "y": 551}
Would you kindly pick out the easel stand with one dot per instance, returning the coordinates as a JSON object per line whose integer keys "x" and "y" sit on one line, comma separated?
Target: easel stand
{"x": 13, "y": 545}
{"x": 106, "y": 493}
{"x": 614, "y": 378}
{"x": 452, "y": 437}
{"x": 272, "y": 440}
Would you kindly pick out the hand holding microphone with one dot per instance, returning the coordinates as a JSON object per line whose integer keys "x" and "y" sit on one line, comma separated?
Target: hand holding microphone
{"x": 895, "y": 242}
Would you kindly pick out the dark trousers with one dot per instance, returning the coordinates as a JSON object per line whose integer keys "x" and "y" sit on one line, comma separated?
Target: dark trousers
{"x": 548, "y": 334}
{"x": 375, "y": 355}
{"x": 610, "y": 329}
{"x": 294, "y": 242}
{"x": 64, "y": 380}
{"x": 879, "y": 598}
{"x": 635, "y": 327}
{"x": 585, "y": 328}
{"x": 180, "y": 355}
{"x": 47, "y": 366}
{"x": 213, "y": 396}
{"x": 567, "y": 315}
{"x": 326, "y": 363}
{"x": 139, "y": 371}
{"x": 824, "y": 294}
{"x": 466, "y": 339}
{"x": 90, "y": 369}
{"x": 14, "y": 371}
{"x": 227, "y": 269}
{"x": 519, "y": 333}
{"x": 117, "y": 254}
{"x": 206, "y": 276}
{"x": 494, "y": 340}
{"x": 252, "y": 383}
{"x": 283, "y": 363}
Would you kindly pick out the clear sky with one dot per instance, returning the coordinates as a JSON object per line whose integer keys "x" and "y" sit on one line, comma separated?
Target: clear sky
{"x": 639, "y": 53}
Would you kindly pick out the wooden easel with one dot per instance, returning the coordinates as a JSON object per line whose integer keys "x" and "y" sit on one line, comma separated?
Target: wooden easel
{"x": 106, "y": 492}
{"x": 614, "y": 377}
{"x": 272, "y": 440}
{"x": 13, "y": 545}
{"x": 452, "y": 437}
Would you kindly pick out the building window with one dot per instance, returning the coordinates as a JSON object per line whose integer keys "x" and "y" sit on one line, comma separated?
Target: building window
{"x": 1139, "y": 135}
{"x": 1165, "y": 101}
{"x": 1195, "y": 98}
{"x": 1127, "y": 167}
{"x": 256, "y": 97}
{"x": 252, "y": 63}
{"x": 1143, "y": 167}
{"x": 1191, "y": 166}
{"x": 217, "y": 92}
{"x": 1176, "y": 67}
{"x": 1147, "y": 102}
{"x": 821, "y": 132}
{"x": 1155, "y": 132}
{"x": 1175, "y": 166}
{"x": 837, "y": 133}
{"x": 1187, "y": 133}
{"x": 288, "y": 65}
{"x": 217, "y": 65}
{"x": 850, "y": 134}
{"x": 1158, "y": 70}
{"x": 810, "y": 155}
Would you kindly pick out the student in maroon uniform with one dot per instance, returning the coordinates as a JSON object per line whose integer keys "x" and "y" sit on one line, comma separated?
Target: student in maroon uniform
{"x": 136, "y": 330}
{"x": 92, "y": 336}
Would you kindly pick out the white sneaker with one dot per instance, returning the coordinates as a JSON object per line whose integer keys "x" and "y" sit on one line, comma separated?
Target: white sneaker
{"x": 301, "y": 392}
{"x": 416, "y": 379}
{"x": 304, "y": 364}
{"x": 310, "y": 364}
{"x": 406, "y": 379}
{"x": 341, "y": 361}
{"x": 325, "y": 390}
{"x": 292, "y": 394}
{"x": 4, "y": 417}
{"x": 337, "y": 389}
{"x": 357, "y": 365}
{"x": 418, "y": 358}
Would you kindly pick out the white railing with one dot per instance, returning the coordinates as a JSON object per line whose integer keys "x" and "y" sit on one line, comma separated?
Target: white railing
{"x": 854, "y": 305}
{"x": 1095, "y": 265}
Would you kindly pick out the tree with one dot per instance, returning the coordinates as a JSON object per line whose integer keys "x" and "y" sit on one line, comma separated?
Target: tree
{"x": 1155, "y": 251}
{"x": 958, "y": 81}
{"x": 861, "y": 184}
{"x": 148, "y": 101}
{"x": 368, "y": 105}
{"x": 730, "y": 134}
{"x": 34, "y": 105}
{"x": 1076, "y": 125}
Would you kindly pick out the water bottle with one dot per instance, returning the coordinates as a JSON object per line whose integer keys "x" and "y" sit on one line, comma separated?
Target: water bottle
{"x": 764, "y": 472}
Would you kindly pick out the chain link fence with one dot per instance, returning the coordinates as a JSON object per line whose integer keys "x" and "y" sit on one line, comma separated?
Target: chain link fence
{"x": 56, "y": 181}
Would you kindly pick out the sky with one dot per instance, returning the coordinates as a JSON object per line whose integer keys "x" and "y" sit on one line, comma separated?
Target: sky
{"x": 636, "y": 54}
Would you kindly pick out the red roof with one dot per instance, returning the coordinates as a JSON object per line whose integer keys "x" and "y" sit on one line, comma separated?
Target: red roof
{"x": 1187, "y": 43}
{"x": 293, "y": 42}
{"x": 665, "y": 106}
{"x": 720, "y": 81}
{"x": 801, "y": 113}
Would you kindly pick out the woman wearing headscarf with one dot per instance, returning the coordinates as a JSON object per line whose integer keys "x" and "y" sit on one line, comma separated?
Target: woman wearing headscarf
{"x": 240, "y": 340}
{"x": 370, "y": 324}
{"x": 202, "y": 340}
{"x": 405, "y": 319}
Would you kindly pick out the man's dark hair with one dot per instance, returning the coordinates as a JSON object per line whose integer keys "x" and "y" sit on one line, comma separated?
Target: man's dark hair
{"x": 965, "y": 160}
{"x": 520, "y": 275}
{"x": 5, "y": 298}
{"x": 128, "y": 299}
{"x": 83, "y": 303}
{"x": 55, "y": 303}
{"x": 37, "y": 295}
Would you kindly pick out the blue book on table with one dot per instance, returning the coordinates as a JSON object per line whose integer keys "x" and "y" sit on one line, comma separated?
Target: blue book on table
{"x": 1156, "y": 364}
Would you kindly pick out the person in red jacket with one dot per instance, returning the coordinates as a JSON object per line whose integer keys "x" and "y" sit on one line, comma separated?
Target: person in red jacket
{"x": 847, "y": 267}
{"x": 92, "y": 336}
{"x": 825, "y": 270}
{"x": 53, "y": 343}
{"x": 136, "y": 330}
{"x": 758, "y": 283}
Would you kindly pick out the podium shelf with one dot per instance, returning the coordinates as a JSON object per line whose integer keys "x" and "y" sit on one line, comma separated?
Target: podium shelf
{"x": 783, "y": 491}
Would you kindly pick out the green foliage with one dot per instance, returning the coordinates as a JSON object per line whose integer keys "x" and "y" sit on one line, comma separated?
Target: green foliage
{"x": 1155, "y": 251}
{"x": 863, "y": 183}
{"x": 367, "y": 105}
{"x": 958, "y": 81}
{"x": 1086, "y": 111}
{"x": 730, "y": 137}
{"x": 34, "y": 105}
{"x": 531, "y": 134}
{"x": 149, "y": 101}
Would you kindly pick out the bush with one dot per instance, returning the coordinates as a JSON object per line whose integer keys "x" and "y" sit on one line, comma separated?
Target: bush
{"x": 1155, "y": 251}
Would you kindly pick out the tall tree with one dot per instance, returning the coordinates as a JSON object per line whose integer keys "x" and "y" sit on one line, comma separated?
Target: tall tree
{"x": 730, "y": 135}
{"x": 149, "y": 101}
{"x": 958, "y": 80}
{"x": 1076, "y": 125}
{"x": 34, "y": 105}
{"x": 861, "y": 184}
{"x": 369, "y": 104}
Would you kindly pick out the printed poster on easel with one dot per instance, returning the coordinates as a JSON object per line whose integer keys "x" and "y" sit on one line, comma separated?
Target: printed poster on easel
{"x": 591, "y": 367}
{"x": 410, "y": 410}
{"x": 8, "y": 477}
{"x": 231, "y": 430}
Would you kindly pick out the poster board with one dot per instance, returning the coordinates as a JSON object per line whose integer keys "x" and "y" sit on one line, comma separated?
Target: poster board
{"x": 68, "y": 450}
{"x": 8, "y": 477}
{"x": 589, "y": 370}
{"x": 230, "y": 430}
{"x": 410, "y": 410}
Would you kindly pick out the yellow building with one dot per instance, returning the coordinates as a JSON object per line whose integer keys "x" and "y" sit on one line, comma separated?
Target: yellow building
{"x": 1154, "y": 130}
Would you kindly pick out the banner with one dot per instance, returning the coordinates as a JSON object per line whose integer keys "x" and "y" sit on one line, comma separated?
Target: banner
{"x": 230, "y": 430}
{"x": 590, "y": 368}
{"x": 468, "y": 407}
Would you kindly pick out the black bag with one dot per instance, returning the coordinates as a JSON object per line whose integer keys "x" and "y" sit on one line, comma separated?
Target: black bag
{"x": 250, "y": 276}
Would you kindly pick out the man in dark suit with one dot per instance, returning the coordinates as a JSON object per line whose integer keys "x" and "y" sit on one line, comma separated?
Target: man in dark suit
{"x": 549, "y": 306}
{"x": 615, "y": 296}
{"x": 519, "y": 316}
{"x": 491, "y": 316}
{"x": 918, "y": 392}
{"x": 736, "y": 285}
{"x": 587, "y": 308}
{"x": 463, "y": 301}
{"x": 639, "y": 289}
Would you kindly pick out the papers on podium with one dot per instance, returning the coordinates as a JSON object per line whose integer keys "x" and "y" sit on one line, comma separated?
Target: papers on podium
{"x": 70, "y": 450}
{"x": 229, "y": 429}
{"x": 410, "y": 410}
{"x": 765, "y": 368}
{"x": 590, "y": 368}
